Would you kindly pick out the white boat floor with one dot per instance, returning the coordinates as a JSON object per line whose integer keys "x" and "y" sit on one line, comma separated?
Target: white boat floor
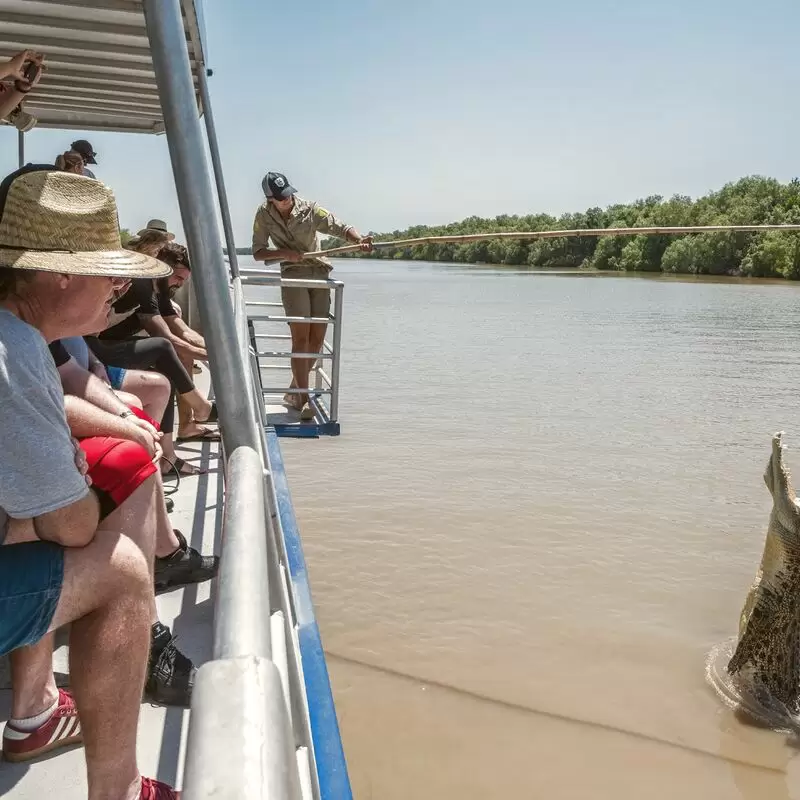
{"x": 279, "y": 414}
{"x": 287, "y": 422}
{"x": 189, "y": 612}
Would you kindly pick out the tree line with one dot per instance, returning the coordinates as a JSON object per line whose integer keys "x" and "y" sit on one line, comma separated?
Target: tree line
{"x": 753, "y": 200}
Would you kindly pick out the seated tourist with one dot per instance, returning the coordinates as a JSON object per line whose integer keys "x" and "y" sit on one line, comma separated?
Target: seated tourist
{"x": 87, "y": 154}
{"x": 70, "y": 162}
{"x": 146, "y": 307}
{"x": 80, "y": 559}
{"x": 80, "y": 368}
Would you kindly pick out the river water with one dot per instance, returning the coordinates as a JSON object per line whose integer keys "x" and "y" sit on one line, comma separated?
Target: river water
{"x": 546, "y": 506}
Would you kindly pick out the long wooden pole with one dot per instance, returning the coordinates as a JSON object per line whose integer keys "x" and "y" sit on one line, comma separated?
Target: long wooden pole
{"x": 481, "y": 237}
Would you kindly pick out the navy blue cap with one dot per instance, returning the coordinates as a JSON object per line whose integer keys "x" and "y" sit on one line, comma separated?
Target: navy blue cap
{"x": 277, "y": 186}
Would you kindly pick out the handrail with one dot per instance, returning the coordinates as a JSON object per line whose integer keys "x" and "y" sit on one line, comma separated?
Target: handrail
{"x": 195, "y": 195}
{"x": 243, "y": 584}
{"x": 241, "y": 745}
{"x": 331, "y": 351}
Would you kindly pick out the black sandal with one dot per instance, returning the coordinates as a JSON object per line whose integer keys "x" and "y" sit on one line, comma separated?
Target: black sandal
{"x": 207, "y": 435}
{"x": 178, "y": 465}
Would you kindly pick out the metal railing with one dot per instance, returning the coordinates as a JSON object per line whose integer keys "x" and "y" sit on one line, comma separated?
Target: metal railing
{"x": 250, "y": 734}
{"x": 325, "y": 385}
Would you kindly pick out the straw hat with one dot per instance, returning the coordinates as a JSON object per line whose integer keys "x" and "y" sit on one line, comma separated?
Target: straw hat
{"x": 60, "y": 222}
{"x": 157, "y": 226}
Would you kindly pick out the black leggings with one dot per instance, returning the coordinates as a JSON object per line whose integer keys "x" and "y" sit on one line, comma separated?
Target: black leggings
{"x": 151, "y": 352}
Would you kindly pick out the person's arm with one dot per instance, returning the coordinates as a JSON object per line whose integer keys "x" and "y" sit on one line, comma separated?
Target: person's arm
{"x": 41, "y": 479}
{"x": 154, "y": 306}
{"x": 11, "y": 97}
{"x": 261, "y": 249}
{"x": 183, "y": 331}
{"x": 155, "y": 325}
{"x": 267, "y": 254}
{"x": 172, "y": 318}
{"x": 325, "y": 222}
{"x": 71, "y": 526}
{"x": 97, "y": 367}
{"x": 78, "y": 382}
{"x": 86, "y": 419}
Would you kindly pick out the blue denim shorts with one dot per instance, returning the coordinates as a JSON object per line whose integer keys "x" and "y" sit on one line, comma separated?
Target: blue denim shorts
{"x": 31, "y": 576}
{"x": 116, "y": 375}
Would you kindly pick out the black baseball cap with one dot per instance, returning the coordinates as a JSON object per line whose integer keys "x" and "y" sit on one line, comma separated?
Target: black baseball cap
{"x": 85, "y": 149}
{"x": 277, "y": 186}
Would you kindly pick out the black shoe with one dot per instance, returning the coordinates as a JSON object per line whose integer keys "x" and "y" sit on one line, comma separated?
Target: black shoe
{"x": 184, "y": 566}
{"x": 170, "y": 674}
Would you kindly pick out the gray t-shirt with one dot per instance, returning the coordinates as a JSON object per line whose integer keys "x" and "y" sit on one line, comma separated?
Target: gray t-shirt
{"x": 37, "y": 458}
{"x": 76, "y": 346}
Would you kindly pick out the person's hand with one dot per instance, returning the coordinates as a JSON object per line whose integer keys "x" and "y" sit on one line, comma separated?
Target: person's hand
{"x": 292, "y": 256}
{"x": 366, "y": 244}
{"x": 81, "y": 463}
{"x": 146, "y": 435}
{"x": 17, "y": 65}
{"x": 145, "y": 426}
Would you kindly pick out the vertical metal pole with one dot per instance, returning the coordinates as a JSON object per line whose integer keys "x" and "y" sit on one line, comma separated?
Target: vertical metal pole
{"x": 21, "y": 148}
{"x": 216, "y": 162}
{"x": 337, "y": 350}
{"x": 196, "y": 199}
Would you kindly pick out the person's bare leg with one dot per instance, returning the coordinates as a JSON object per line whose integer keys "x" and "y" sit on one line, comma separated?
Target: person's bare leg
{"x": 193, "y": 407}
{"x": 136, "y": 517}
{"x": 168, "y": 449}
{"x": 186, "y": 423}
{"x": 107, "y": 593}
{"x": 143, "y": 517}
{"x": 152, "y": 388}
{"x": 316, "y": 338}
{"x": 33, "y": 685}
{"x": 129, "y": 399}
{"x": 166, "y": 540}
{"x": 300, "y": 368}
{"x": 193, "y": 411}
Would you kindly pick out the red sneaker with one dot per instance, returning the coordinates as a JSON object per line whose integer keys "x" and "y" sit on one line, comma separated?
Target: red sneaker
{"x": 61, "y": 730}
{"x": 155, "y": 790}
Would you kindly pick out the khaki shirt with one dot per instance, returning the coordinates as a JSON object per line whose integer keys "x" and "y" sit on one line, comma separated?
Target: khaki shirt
{"x": 298, "y": 233}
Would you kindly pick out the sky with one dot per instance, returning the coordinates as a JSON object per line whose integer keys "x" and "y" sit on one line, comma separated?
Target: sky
{"x": 429, "y": 111}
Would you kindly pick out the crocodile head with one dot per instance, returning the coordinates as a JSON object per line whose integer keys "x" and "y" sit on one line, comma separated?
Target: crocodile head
{"x": 766, "y": 662}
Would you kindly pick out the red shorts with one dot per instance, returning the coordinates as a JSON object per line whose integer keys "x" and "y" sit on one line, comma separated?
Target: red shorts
{"x": 117, "y": 467}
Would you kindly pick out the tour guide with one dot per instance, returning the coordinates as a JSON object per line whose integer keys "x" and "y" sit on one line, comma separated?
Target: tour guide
{"x": 292, "y": 224}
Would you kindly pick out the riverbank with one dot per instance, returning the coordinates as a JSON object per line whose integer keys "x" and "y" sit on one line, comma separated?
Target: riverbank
{"x": 753, "y": 200}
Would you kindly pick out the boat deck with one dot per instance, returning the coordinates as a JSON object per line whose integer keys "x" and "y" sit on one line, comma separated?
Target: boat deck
{"x": 287, "y": 423}
{"x": 189, "y": 612}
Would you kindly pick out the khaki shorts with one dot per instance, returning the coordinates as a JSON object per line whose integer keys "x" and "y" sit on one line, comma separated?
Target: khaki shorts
{"x": 301, "y": 302}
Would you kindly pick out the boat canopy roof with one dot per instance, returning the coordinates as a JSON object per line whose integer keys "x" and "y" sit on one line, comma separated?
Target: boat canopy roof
{"x": 99, "y": 72}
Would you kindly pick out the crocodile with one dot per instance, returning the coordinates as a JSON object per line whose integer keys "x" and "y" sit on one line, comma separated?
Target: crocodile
{"x": 766, "y": 662}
